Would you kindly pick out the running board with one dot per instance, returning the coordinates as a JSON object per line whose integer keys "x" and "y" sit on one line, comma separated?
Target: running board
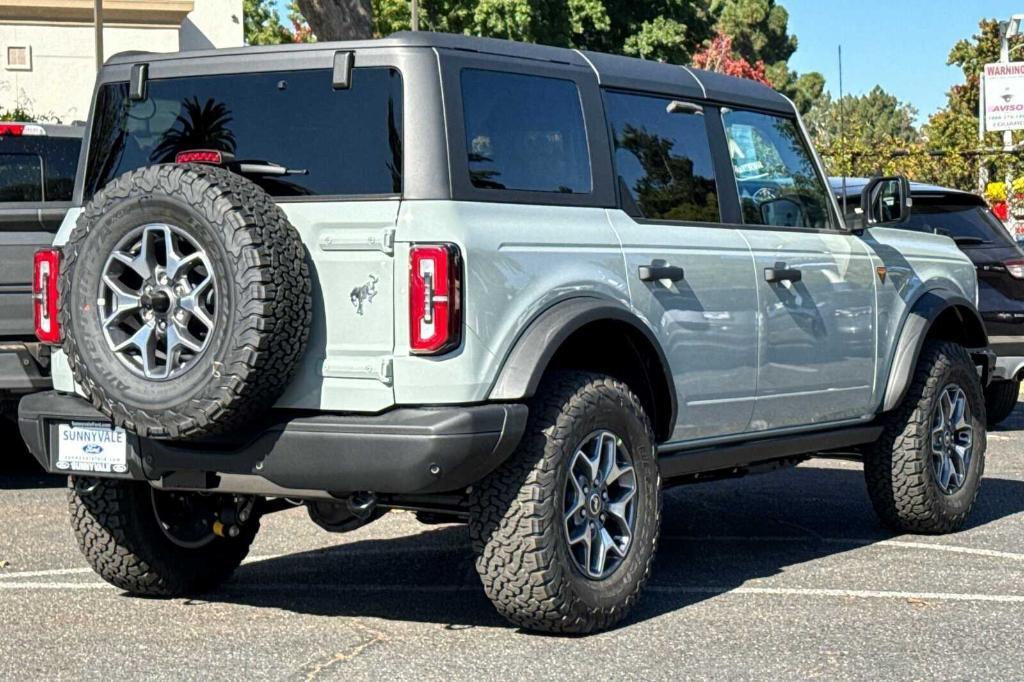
{"x": 678, "y": 463}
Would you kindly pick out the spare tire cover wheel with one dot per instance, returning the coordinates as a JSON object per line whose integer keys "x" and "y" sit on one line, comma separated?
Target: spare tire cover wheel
{"x": 185, "y": 300}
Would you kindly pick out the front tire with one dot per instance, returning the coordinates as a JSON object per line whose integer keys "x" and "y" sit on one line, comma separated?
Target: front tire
{"x": 923, "y": 474}
{"x": 1000, "y": 400}
{"x": 119, "y": 531}
{"x": 586, "y": 468}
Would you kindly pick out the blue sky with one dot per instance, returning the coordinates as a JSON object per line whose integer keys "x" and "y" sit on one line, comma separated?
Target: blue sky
{"x": 901, "y": 45}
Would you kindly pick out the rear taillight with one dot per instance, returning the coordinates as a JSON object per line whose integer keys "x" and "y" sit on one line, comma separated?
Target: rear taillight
{"x": 44, "y": 295}
{"x": 1015, "y": 268}
{"x": 435, "y": 299}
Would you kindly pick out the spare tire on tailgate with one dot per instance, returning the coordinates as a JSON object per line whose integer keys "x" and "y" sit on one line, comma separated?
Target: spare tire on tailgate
{"x": 184, "y": 300}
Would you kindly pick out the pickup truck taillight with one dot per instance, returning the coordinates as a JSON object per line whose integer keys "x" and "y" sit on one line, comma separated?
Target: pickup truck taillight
{"x": 46, "y": 267}
{"x": 435, "y": 299}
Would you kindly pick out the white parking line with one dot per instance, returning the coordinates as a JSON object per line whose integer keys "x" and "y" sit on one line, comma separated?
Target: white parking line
{"x": 856, "y": 594}
{"x": 707, "y": 590}
{"x": 853, "y": 542}
{"x": 78, "y": 570}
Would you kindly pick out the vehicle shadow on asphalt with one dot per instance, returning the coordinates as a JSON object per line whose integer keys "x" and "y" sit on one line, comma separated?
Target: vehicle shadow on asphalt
{"x": 715, "y": 537}
{"x": 18, "y": 468}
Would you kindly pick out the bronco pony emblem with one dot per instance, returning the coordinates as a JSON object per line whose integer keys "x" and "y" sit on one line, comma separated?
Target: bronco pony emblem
{"x": 364, "y": 294}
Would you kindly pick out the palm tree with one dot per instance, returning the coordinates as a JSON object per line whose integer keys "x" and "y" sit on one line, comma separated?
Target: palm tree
{"x": 197, "y": 127}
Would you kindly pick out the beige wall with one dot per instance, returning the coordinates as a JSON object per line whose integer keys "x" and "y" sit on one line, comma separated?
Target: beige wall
{"x": 60, "y": 81}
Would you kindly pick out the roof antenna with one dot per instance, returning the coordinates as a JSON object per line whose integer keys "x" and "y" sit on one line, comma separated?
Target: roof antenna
{"x": 842, "y": 126}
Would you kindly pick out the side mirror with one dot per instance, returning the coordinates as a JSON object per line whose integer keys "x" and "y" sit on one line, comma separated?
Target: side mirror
{"x": 886, "y": 201}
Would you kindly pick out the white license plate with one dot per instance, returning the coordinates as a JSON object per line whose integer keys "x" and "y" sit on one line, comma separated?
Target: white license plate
{"x": 92, "y": 447}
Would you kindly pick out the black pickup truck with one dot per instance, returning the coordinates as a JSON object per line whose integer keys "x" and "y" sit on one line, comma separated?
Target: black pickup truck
{"x": 37, "y": 175}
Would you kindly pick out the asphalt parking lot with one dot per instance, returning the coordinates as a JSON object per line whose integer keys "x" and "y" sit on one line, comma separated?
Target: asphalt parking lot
{"x": 783, "y": 575}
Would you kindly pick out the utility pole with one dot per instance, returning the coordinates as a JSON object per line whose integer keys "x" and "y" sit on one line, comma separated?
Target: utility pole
{"x": 414, "y": 22}
{"x": 97, "y": 17}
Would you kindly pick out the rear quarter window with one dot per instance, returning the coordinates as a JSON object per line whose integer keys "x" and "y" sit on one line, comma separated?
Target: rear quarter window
{"x": 339, "y": 142}
{"x": 524, "y": 133}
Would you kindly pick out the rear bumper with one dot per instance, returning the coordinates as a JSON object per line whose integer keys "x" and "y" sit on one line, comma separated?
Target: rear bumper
{"x": 404, "y": 451}
{"x": 24, "y": 366}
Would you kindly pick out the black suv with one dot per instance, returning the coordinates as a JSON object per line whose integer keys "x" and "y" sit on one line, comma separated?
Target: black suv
{"x": 969, "y": 222}
{"x": 37, "y": 177}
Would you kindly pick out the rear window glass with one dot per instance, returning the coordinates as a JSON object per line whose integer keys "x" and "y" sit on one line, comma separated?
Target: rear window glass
{"x": 525, "y": 133}
{"x": 38, "y": 168}
{"x": 61, "y": 163}
{"x": 968, "y": 223}
{"x": 663, "y": 160}
{"x": 336, "y": 142}
{"x": 21, "y": 177}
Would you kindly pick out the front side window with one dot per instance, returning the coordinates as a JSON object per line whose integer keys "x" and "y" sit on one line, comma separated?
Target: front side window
{"x": 21, "y": 177}
{"x": 662, "y": 159}
{"x": 333, "y": 142}
{"x": 776, "y": 176}
{"x": 524, "y": 133}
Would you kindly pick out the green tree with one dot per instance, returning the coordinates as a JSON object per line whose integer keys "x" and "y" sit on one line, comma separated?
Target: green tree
{"x": 16, "y": 114}
{"x": 760, "y": 32}
{"x": 262, "y": 25}
{"x": 876, "y": 116}
{"x": 669, "y": 31}
{"x": 953, "y": 130}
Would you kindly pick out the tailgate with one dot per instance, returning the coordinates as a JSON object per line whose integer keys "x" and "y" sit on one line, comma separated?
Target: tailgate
{"x": 347, "y": 365}
{"x": 22, "y": 231}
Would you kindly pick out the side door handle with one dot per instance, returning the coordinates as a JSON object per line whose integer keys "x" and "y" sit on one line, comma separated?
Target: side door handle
{"x": 653, "y": 273}
{"x": 775, "y": 275}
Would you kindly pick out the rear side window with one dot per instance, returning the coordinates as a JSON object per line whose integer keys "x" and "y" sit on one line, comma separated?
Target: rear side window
{"x": 524, "y": 133}
{"x": 21, "y": 177}
{"x": 663, "y": 160}
{"x": 336, "y": 142}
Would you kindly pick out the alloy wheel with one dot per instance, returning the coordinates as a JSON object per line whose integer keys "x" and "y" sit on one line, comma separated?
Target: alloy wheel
{"x": 952, "y": 439}
{"x": 600, "y": 505}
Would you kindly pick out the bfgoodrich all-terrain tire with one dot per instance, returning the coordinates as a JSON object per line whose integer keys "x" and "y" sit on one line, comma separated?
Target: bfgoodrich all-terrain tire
{"x": 184, "y": 300}
{"x": 924, "y": 472}
{"x": 1000, "y": 400}
{"x": 129, "y": 546}
{"x": 566, "y": 529}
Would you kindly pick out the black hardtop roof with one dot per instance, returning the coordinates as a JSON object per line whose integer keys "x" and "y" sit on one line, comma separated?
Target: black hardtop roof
{"x": 612, "y": 71}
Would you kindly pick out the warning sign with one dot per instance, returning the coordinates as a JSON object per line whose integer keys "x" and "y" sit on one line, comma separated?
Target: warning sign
{"x": 1004, "y": 96}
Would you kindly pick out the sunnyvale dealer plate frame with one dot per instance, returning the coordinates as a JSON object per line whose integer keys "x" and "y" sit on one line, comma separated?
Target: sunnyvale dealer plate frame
{"x": 90, "y": 447}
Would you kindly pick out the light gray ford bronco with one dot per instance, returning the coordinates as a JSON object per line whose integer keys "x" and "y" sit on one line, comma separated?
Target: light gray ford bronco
{"x": 511, "y": 285}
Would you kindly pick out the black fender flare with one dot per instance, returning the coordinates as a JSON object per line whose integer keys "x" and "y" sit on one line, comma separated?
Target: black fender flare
{"x": 526, "y": 362}
{"x": 923, "y": 314}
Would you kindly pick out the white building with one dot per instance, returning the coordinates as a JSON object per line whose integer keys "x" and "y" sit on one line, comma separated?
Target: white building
{"x": 47, "y": 47}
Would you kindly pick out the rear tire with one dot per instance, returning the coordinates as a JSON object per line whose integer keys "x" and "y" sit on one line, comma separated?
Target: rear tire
{"x": 118, "y": 531}
{"x": 1000, "y": 400}
{"x": 910, "y": 486}
{"x": 519, "y": 524}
